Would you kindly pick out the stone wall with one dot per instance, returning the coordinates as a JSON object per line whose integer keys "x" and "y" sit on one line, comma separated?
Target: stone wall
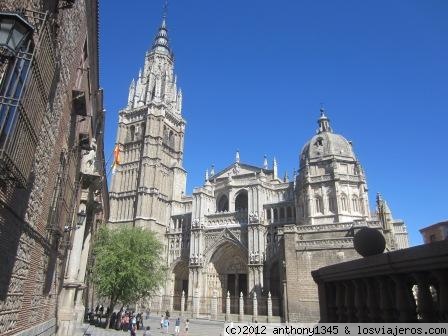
{"x": 302, "y": 295}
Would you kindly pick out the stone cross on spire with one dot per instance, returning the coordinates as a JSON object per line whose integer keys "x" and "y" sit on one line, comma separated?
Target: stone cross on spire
{"x": 165, "y": 10}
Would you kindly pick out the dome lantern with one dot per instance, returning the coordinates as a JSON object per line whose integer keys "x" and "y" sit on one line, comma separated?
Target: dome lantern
{"x": 324, "y": 122}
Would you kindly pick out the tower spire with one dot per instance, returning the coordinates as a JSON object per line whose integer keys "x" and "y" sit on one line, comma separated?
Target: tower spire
{"x": 161, "y": 41}
{"x": 165, "y": 10}
{"x": 275, "y": 168}
{"x": 265, "y": 162}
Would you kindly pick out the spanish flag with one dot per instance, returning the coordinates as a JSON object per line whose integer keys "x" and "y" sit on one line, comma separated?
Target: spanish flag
{"x": 116, "y": 158}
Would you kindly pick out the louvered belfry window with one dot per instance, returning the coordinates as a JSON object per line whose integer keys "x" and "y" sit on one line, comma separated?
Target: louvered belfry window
{"x": 25, "y": 87}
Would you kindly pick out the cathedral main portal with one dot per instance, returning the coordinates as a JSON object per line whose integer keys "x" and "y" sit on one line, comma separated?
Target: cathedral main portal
{"x": 227, "y": 273}
{"x": 180, "y": 273}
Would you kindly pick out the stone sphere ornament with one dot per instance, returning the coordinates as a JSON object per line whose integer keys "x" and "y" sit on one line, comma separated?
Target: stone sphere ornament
{"x": 369, "y": 242}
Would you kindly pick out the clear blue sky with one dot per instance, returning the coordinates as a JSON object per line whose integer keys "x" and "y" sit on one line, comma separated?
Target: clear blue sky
{"x": 253, "y": 75}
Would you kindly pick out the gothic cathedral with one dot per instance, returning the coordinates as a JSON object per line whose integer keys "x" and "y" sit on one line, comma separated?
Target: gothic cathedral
{"x": 246, "y": 241}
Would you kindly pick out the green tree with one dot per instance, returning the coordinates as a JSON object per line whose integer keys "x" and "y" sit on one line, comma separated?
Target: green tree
{"x": 128, "y": 265}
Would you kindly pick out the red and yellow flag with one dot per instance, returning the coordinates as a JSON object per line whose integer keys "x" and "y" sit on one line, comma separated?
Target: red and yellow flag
{"x": 116, "y": 158}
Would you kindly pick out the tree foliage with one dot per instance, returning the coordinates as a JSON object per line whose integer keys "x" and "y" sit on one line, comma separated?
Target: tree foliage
{"x": 128, "y": 264}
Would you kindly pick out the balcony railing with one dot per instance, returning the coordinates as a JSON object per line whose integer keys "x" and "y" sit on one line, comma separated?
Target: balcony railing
{"x": 227, "y": 218}
{"x": 409, "y": 285}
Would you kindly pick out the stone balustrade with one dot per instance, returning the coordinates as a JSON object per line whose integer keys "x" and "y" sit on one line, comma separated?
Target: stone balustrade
{"x": 227, "y": 218}
{"x": 409, "y": 285}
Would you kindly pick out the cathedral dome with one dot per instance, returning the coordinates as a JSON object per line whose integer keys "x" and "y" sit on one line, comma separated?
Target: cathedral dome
{"x": 326, "y": 143}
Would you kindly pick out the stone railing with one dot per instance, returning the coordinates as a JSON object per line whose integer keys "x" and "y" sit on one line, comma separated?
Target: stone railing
{"x": 321, "y": 178}
{"x": 409, "y": 285}
{"x": 288, "y": 220}
{"x": 347, "y": 177}
{"x": 227, "y": 218}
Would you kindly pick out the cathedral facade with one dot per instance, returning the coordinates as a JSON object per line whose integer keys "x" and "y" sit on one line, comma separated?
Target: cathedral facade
{"x": 246, "y": 237}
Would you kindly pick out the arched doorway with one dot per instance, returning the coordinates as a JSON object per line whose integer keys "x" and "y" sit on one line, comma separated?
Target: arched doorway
{"x": 227, "y": 272}
{"x": 180, "y": 273}
{"x": 241, "y": 201}
{"x": 274, "y": 280}
{"x": 223, "y": 204}
{"x": 275, "y": 287}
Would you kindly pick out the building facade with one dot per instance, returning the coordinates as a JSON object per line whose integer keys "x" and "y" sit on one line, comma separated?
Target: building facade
{"x": 435, "y": 232}
{"x": 53, "y": 192}
{"x": 246, "y": 238}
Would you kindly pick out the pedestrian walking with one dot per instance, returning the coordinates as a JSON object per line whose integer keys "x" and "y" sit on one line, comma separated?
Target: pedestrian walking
{"x": 161, "y": 322}
{"x": 187, "y": 325}
{"x": 166, "y": 324}
{"x": 177, "y": 326}
{"x": 140, "y": 321}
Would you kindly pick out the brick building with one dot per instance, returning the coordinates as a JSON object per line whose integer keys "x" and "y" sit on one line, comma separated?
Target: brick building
{"x": 52, "y": 185}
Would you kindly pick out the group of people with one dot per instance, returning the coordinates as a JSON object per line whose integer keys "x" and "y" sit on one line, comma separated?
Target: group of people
{"x": 165, "y": 325}
{"x": 94, "y": 316}
{"x": 126, "y": 320}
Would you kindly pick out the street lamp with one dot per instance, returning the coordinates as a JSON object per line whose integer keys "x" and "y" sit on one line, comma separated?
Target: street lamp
{"x": 81, "y": 217}
{"x": 14, "y": 30}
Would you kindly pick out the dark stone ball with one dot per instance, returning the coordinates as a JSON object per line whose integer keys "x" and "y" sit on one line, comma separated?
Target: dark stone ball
{"x": 368, "y": 242}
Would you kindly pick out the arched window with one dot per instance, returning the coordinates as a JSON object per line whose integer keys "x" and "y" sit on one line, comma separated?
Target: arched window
{"x": 344, "y": 204}
{"x": 288, "y": 212}
{"x": 355, "y": 204}
{"x": 241, "y": 201}
{"x": 282, "y": 213}
{"x": 171, "y": 139}
{"x": 300, "y": 207}
{"x": 332, "y": 204}
{"x": 165, "y": 135}
{"x": 153, "y": 91}
{"x": 319, "y": 205}
{"x": 162, "y": 94}
{"x": 275, "y": 214}
{"x": 223, "y": 204}
{"x": 361, "y": 206}
{"x": 268, "y": 214}
{"x": 132, "y": 133}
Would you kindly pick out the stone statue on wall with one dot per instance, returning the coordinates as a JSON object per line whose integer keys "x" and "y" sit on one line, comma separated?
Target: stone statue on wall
{"x": 88, "y": 162}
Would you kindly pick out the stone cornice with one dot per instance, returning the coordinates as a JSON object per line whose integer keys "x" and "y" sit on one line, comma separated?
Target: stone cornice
{"x": 325, "y": 244}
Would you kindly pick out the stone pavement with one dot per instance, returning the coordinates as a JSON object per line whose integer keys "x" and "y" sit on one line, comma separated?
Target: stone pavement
{"x": 197, "y": 328}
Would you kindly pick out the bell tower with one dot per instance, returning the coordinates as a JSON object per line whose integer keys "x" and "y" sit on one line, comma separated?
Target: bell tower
{"x": 150, "y": 180}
